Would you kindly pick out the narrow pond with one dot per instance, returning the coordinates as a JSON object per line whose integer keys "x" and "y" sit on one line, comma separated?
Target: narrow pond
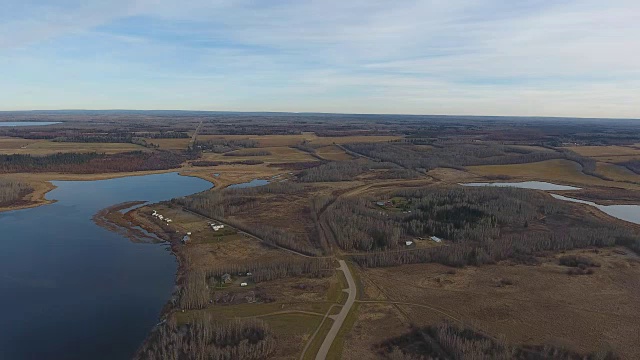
{"x": 250, "y": 184}
{"x": 630, "y": 213}
{"x": 73, "y": 290}
{"x": 27, "y": 123}
{"x": 535, "y": 185}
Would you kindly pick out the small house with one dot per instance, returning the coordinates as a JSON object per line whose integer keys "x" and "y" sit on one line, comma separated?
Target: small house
{"x": 244, "y": 284}
{"x": 225, "y": 279}
{"x": 249, "y": 274}
{"x": 160, "y": 217}
{"x": 436, "y": 239}
{"x": 380, "y": 203}
{"x": 408, "y": 242}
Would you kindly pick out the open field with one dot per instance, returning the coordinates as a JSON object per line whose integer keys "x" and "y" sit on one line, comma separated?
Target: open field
{"x": 605, "y": 151}
{"x": 290, "y": 140}
{"x": 278, "y": 155}
{"x": 543, "y": 304}
{"x": 559, "y": 171}
{"x": 46, "y": 147}
{"x": 333, "y": 153}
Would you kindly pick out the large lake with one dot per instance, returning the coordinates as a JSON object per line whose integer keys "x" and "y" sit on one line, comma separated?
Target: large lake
{"x": 73, "y": 290}
{"x": 27, "y": 123}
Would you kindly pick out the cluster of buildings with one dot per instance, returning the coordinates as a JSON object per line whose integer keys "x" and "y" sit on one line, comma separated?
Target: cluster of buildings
{"x": 161, "y": 217}
{"x": 216, "y": 227}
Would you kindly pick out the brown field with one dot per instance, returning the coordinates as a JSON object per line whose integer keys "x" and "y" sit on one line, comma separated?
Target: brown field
{"x": 46, "y": 147}
{"x": 544, "y": 305}
{"x": 617, "y": 172}
{"x": 605, "y": 151}
{"x": 559, "y": 171}
{"x": 333, "y": 153}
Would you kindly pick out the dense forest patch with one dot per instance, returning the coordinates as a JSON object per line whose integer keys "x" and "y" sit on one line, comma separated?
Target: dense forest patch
{"x": 91, "y": 163}
{"x": 209, "y": 339}
{"x": 479, "y": 225}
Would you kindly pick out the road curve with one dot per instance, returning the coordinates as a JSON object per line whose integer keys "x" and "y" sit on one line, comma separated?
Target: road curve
{"x": 342, "y": 315}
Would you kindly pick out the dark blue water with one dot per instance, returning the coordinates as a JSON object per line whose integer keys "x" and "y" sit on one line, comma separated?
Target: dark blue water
{"x": 70, "y": 289}
{"x": 250, "y": 184}
{"x": 27, "y": 123}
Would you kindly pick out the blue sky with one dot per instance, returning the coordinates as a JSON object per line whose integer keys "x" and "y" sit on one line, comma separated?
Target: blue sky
{"x": 477, "y": 57}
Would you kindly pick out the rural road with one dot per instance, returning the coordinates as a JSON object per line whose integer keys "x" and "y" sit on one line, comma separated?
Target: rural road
{"x": 339, "y": 319}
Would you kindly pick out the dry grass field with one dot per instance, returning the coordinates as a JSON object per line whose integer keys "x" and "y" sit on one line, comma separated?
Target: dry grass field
{"x": 333, "y": 153}
{"x": 278, "y": 155}
{"x": 46, "y": 147}
{"x": 543, "y": 304}
{"x": 605, "y": 151}
{"x": 559, "y": 171}
{"x": 617, "y": 172}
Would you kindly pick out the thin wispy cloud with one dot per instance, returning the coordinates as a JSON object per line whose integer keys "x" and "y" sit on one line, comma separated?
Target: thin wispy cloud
{"x": 531, "y": 57}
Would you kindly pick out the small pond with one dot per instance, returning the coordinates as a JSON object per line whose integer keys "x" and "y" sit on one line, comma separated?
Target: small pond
{"x": 250, "y": 184}
{"x": 28, "y": 123}
{"x": 535, "y": 185}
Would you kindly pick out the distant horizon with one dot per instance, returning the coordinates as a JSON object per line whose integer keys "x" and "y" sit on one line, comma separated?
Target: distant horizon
{"x": 316, "y": 113}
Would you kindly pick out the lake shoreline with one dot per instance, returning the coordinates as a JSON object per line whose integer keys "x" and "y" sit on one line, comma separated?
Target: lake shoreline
{"x": 42, "y": 183}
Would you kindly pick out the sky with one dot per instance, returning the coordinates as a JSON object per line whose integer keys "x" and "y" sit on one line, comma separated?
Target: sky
{"x": 466, "y": 57}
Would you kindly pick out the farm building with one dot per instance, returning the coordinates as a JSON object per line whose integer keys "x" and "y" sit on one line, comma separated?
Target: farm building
{"x": 436, "y": 239}
{"x": 408, "y": 242}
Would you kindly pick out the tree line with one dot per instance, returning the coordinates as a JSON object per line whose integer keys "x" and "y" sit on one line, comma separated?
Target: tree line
{"x": 208, "y": 339}
{"x": 91, "y": 163}
{"x": 447, "y": 341}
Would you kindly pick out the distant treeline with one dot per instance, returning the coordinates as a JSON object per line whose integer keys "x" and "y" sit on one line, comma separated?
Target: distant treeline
{"x": 347, "y": 170}
{"x": 225, "y": 145}
{"x": 202, "y": 163}
{"x": 209, "y": 339}
{"x": 91, "y": 163}
{"x": 12, "y": 191}
{"x": 448, "y": 341}
{"x": 248, "y": 153}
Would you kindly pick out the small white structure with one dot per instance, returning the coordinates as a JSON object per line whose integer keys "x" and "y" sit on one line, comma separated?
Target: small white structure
{"x": 436, "y": 239}
{"x": 169, "y": 220}
{"x": 217, "y": 227}
{"x": 189, "y": 233}
{"x": 249, "y": 274}
{"x": 408, "y": 242}
{"x": 160, "y": 217}
{"x": 244, "y": 284}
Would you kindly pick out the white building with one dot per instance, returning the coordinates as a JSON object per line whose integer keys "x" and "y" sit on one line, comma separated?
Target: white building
{"x": 436, "y": 239}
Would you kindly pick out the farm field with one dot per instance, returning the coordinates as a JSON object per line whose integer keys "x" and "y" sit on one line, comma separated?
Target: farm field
{"x": 333, "y": 153}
